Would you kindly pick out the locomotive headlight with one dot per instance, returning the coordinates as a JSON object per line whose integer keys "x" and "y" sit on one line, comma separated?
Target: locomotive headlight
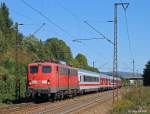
{"x": 48, "y": 82}
{"x": 30, "y": 82}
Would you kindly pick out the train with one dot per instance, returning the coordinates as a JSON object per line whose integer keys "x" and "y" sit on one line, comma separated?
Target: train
{"x": 59, "y": 81}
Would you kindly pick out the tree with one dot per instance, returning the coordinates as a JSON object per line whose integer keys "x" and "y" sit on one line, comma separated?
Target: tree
{"x": 146, "y": 74}
{"x": 5, "y": 27}
{"x": 81, "y": 60}
{"x": 7, "y": 41}
{"x": 59, "y": 49}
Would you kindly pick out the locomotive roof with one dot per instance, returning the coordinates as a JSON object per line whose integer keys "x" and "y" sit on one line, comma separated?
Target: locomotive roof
{"x": 51, "y": 63}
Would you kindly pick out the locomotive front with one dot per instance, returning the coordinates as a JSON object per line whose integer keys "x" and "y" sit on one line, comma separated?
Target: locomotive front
{"x": 39, "y": 77}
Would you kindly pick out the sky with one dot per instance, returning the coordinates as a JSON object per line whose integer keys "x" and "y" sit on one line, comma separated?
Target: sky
{"x": 65, "y": 20}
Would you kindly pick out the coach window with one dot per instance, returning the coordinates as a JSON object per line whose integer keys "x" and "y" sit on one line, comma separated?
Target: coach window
{"x": 46, "y": 69}
{"x": 33, "y": 69}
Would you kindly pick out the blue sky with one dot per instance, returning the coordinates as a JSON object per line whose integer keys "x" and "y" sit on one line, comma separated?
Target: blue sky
{"x": 70, "y": 14}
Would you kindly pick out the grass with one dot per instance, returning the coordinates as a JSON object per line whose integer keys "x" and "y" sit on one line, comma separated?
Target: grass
{"x": 136, "y": 100}
{"x": 3, "y": 105}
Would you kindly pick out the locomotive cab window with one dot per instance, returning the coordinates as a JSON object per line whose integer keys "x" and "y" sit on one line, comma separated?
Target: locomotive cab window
{"x": 46, "y": 69}
{"x": 33, "y": 69}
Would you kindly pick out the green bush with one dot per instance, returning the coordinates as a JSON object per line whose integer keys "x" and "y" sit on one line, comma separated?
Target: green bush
{"x": 135, "y": 99}
{"x": 7, "y": 90}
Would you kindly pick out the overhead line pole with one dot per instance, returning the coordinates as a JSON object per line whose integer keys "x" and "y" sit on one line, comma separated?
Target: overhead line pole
{"x": 115, "y": 56}
{"x": 17, "y": 64}
{"x": 115, "y": 50}
{"x": 94, "y": 64}
{"x": 133, "y": 68}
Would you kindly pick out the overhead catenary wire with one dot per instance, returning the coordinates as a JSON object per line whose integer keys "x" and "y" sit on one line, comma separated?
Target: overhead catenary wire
{"x": 128, "y": 35}
{"x": 104, "y": 64}
{"x": 67, "y": 10}
{"x": 85, "y": 22}
{"x": 79, "y": 19}
{"x": 127, "y": 29}
{"x": 99, "y": 32}
{"x": 46, "y": 17}
{"x": 87, "y": 39}
{"x": 38, "y": 29}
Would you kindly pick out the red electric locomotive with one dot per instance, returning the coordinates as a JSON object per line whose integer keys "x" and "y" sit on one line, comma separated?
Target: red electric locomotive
{"x": 52, "y": 79}
{"x": 60, "y": 80}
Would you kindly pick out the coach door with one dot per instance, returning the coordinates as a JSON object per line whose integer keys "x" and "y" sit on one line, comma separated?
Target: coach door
{"x": 69, "y": 81}
{"x": 58, "y": 77}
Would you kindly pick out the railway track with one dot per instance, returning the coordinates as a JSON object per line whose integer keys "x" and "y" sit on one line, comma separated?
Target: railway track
{"x": 64, "y": 106}
{"x": 73, "y": 107}
{"x": 86, "y": 104}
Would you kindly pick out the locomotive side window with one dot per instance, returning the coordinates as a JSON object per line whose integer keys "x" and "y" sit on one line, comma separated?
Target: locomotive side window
{"x": 46, "y": 69}
{"x": 33, "y": 69}
{"x": 68, "y": 72}
{"x": 73, "y": 72}
{"x": 64, "y": 71}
